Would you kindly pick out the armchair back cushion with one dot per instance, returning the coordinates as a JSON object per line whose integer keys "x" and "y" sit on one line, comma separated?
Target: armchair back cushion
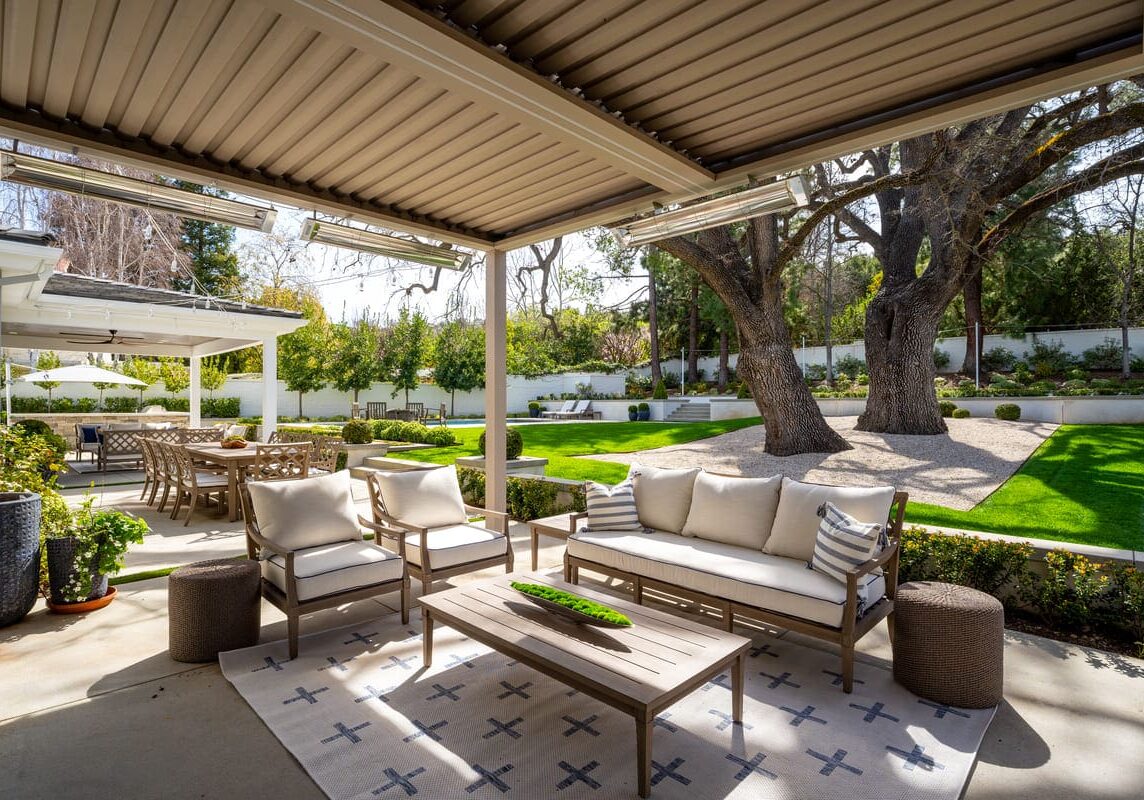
{"x": 663, "y": 496}
{"x": 423, "y": 498}
{"x": 796, "y": 519}
{"x": 733, "y": 510}
{"x": 308, "y": 512}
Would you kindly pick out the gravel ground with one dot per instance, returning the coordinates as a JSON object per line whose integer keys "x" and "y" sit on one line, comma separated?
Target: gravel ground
{"x": 956, "y": 470}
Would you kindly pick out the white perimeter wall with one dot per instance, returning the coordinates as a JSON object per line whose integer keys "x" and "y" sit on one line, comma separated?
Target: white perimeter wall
{"x": 1075, "y": 342}
{"x": 330, "y": 402}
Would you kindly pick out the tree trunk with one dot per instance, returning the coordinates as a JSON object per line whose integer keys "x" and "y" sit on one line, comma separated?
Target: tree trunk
{"x": 900, "y": 332}
{"x": 653, "y": 327}
{"x": 724, "y": 356}
{"x": 452, "y": 402}
{"x": 974, "y": 324}
{"x": 828, "y": 308}
{"x": 780, "y": 393}
{"x": 299, "y": 405}
{"x": 693, "y": 333}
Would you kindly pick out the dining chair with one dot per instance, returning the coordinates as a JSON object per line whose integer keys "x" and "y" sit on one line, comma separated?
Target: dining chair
{"x": 276, "y": 462}
{"x": 195, "y": 483}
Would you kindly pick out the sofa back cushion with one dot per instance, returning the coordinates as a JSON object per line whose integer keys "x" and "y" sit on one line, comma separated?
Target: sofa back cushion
{"x": 612, "y": 508}
{"x": 663, "y": 496}
{"x": 428, "y": 498}
{"x": 843, "y": 542}
{"x": 796, "y": 519}
{"x": 309, "y": 512}
{"x": 733, "y": 510}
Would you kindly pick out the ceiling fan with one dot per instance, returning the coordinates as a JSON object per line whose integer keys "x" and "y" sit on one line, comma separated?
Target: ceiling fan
{"x": 113, "y": 339}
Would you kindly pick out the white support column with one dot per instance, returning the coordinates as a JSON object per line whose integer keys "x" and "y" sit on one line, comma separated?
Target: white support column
{"x": 496, "y": 411}
{"x": 196, "y": 392}
{"x": 269, "y": 386}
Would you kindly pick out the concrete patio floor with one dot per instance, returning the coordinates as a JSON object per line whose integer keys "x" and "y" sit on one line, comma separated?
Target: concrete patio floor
{"x": 93, "y": 704}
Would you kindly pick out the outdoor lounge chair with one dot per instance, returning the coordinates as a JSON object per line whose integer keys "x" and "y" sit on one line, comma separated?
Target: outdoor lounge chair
{"x": 578, "y": 410}
{"x": 307, "y": 536}
{"x": 424, "y": 516}
{"x": 564, "y": 409}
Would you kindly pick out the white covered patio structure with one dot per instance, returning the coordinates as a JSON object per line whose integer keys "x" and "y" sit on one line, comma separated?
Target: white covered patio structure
{"x": 494, "y": 124}
{"x": 41, "y": 308}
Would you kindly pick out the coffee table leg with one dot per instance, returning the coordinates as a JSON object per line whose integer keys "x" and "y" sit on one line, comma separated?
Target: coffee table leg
{"x": 644, "y": 725}
{"x": 426, "y": 637}
{"x": 737, "y": 688}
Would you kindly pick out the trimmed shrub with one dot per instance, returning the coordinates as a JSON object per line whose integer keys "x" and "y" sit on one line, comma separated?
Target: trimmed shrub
{"x": 1010, "y": 412}
{"x": 643, "y": 407}
{"x": 1049, "y": 359}
{"x": 514, "y": 444}
{"x": 961, "y": 413}
{"x": 983, "y": 564}
{"x": 660, "y": 391}
{"x": 357, "y": 431}
{"x": 441, "y": 437}
{"x": 29, "y": 405}
{"x": 815, "y": 372}
{"x": 33, "y": 427}
{"x": 947, "y": 408}
{"x": 221, "y": 407}
{"x": 120, "y": 405}
{"x": 1105, "y": 356}
{"x": 849, "y": 366}
{"x": 940, "y": 359}
{"x": 997, "y": 359}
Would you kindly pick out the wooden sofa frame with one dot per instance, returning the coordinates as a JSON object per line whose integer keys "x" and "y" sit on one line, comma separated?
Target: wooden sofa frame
{"x": 845, "y": 637}
{"x": 392, "y": 528}
{"x": 288, "y": 601}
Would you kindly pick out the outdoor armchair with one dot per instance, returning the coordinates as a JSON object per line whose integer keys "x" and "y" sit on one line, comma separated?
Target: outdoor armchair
{"x": 423, "y": 514}
{"x": 307, "y": 537}
{"x": 564, "y": 409}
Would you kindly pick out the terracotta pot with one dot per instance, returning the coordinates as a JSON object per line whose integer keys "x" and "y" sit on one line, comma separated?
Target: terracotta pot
{"x": 84, "y": 607}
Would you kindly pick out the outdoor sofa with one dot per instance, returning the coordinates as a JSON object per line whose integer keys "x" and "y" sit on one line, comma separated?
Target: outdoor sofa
{"x": 744, "y": 547}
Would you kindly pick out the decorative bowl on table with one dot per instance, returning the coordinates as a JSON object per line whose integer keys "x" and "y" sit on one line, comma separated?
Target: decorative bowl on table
{"x": 233, "y": 443}
{"x": 571, "y": 606}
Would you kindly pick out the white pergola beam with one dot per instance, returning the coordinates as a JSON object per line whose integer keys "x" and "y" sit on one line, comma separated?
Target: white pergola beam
{"x": 496, "y": 404}
{"x": 403, "y": 35}
{"x": 269, "y": 387}
{"x": 196, "y": 392}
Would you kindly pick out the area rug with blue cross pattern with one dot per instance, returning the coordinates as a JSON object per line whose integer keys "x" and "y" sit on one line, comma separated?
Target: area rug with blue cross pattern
{"x": 366, "y": 721}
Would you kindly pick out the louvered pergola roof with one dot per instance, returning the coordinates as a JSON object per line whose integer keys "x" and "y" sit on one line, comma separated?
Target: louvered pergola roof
{"x": 504, "y": 122}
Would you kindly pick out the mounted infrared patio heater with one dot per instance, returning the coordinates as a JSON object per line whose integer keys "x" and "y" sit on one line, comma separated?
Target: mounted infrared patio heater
{"x": 60, "y": 177}
{"x": 755, "y": 202}
{"x": 382, "y": 244}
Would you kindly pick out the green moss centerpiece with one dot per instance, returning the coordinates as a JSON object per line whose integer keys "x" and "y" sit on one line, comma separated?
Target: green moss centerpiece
{"x": 573, "y": 606}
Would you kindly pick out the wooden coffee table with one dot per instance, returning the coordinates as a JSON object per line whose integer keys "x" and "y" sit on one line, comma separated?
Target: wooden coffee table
{"x": 639, "y": 670}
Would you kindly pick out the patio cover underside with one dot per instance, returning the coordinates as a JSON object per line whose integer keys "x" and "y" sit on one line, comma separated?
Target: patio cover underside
{"x": 502, "y": 122}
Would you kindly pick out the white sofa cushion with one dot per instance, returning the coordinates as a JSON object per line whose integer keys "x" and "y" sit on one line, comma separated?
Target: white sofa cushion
{"x": 298, "y": 514}
{"x": 843, "y": 542}
{"x": 796, "y": 519}
{"x": 611, "y": 508}
{"x": 330, "y": 568}
{"x": 774, "y": 583}
{"x": 428, "y": 498}
{"x": 456, "y": 544}
{"x": 733, "y": 510}
{"x": 663, "y": 496}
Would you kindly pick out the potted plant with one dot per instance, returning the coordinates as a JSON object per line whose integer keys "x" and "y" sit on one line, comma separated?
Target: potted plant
{"x": 633, "y": 413}
{"x": 91, "y": 550}
{"x": 534, "y": 409}
{"x": 644, "y": 411}
{"x": 19, "y": 554}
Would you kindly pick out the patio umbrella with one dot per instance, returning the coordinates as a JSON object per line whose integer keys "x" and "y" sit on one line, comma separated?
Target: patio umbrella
{"x": 80, "y": 373}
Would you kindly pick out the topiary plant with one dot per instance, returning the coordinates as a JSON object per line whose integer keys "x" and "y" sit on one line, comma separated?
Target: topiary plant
{"x": 744, "y": 392}
{"x": 961, "y": 413}
{"x": 357, "y": 431}
{"x": 660, "y": 391}
{"x": 947, "y": 408}
{"x": 514, "y": 444}
{"x": 1008, "y": 411}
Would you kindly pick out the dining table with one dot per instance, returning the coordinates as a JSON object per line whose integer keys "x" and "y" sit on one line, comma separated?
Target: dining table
{"x": 235, "y": 460}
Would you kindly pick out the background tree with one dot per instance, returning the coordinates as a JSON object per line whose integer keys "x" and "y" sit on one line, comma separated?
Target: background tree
{"x": 148, "y": 372}
{"x": 404, "y": 350}
{"x": 211, "y": 377}
{"x": 175, "y": 375}
{"x": 47, "y": 359}
{"x": 303, "y": 354}
{"x": 353, "y": 364}
{"x": 1122, "y": 251}
{"x": 459, "y": 359}
{"x": 213, "y": 267}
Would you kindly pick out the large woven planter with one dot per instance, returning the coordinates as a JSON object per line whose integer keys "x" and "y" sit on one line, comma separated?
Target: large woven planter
{"x": 19, "y": 554}
{"x": 61, "y": 568}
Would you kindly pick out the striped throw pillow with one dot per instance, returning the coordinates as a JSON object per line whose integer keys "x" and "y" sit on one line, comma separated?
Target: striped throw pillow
{"x": 843, "y": 542}
{"x": 612, "y": 508}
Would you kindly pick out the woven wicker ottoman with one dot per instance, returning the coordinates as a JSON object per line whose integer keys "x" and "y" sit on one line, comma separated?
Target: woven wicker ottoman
{"x": 213, "y": 606}
{"x": 949, "y": 643}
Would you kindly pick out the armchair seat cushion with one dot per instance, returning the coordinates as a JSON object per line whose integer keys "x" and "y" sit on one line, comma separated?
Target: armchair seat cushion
{"x": 452, "y": 545}
{"x": 742, "y": 575}
{"x": 332, "y": 568}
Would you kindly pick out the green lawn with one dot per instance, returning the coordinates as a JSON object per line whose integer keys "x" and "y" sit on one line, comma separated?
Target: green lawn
{"x": 1085, "y": 484}
{"x": 561, "y": 443}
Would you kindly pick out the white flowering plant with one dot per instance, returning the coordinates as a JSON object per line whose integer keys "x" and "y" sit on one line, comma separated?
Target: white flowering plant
{"x": 101, "y": 540}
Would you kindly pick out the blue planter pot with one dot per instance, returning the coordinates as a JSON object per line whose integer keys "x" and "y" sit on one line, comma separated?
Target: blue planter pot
{"x": 633, "y": 416}
{"x": 644, "y": 416}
